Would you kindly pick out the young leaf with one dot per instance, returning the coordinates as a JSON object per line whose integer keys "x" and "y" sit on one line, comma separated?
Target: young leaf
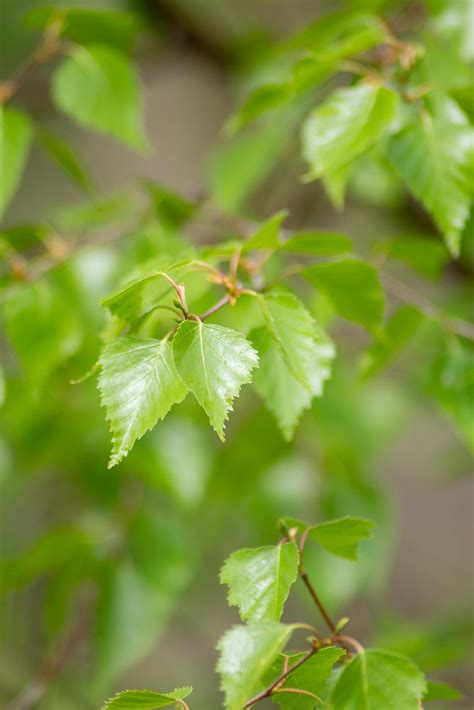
{"x": 434, "y": 159}
{"x": 305, "y": 352}
{"x": 353, "y": 287}
{"x": 245, "y": 654}
{"x": 98, "y": 88}
{"x": 214, "y": 362}
{"x": 267, "y": 235}
{"x": 342, "y": 537}
{"x": 283, "y": 394}
{"x": 345, "y": 126}
{"x": 139, "y": 384}
{"x": 146, "y": 699}
{"x": 15, "y": 139}
{"x": 311, "y": 678}
{"x": 318, "y": 243}
{"x": 260, "y": 580}
{"x": 66, "y": 159}
{"x": 127, "y": 300}
{"x": 379, "y": 680}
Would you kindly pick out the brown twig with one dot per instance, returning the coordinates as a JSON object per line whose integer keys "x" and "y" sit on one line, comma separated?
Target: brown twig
{"x": 216, "y": 307}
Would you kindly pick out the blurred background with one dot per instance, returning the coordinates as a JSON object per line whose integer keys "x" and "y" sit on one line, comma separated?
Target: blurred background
{"x": 383, "y": 448}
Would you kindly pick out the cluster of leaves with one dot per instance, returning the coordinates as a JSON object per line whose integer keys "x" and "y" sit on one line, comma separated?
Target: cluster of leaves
{"x": 257, "y": 302}
{"x": 254, "y": 662}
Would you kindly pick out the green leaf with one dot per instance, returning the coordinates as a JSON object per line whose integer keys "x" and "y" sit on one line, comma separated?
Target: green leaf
{"x": 353, "y": 287}
{"x": 267, "y": 235}
{"x": 451, "y": 383}
{"x": 311, "y": 677}
{"x": 88, "y": 25}
{"x": 345, "y": 126}
{"x": 305, "y": 352}
{"x": 426, "y": 256}
{"x": 440, "y": 691}
{"x": 171, "y": 209}
{"x": 318, "y": 243}
{"x": 434, "y": 158}
{"x": 401, "y": 327}
{"x": 283, "y": 394}
{"x": 245, "y": 654}
{"x": 93, "y": 214}
{"x": 16, "y": 133}
{"x": 261, "y": 100}
{"x": 139, "y": 384}
{"x": 66, "y": 159}
{"x": 240, "y": 165}
{"x": 379, "y": 680}
{"x": 214, "y": 362}
{"x": 97, "y": 87}
{"x": 145, "y": 699}
{"x": 342, "y": 537}
{"x": 41, "y": 327}
{"x": 127, "y": 301}
{"x": 260, "y": 580}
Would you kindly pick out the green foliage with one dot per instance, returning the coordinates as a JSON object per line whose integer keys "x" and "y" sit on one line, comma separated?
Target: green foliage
{"x": 260, "y": 580}
{"x": 98, "y": 88}
{"x": 146, "y": 699}
{"x": 207, "y": 294}
{"x": 379, "y": 680}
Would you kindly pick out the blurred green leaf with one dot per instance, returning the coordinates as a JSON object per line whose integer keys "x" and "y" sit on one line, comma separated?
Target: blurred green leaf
{"x": 345, "y": 126}
{"x": 353, "y": 287}
{"x": 342, "y": 537}
{"x": 16, "y": 133}
{"x": 245, "y": 654}
{"x": 440, "y": 691}
{"x": 66, "y": 158}
{"x": 97, "y": 87}
{"x": 267, "y": 236}
{"x": 318, "y": 243}
{"x": 401, "y": 327}
{"x": 88, "y": 25}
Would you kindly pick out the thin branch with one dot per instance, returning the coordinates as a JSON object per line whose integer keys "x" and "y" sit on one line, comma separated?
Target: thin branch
{"x": 216, "y": 307}
{"x": 271, "y": 688}
{"x": 309, "y": 586}
{"x": 49, "y": 47}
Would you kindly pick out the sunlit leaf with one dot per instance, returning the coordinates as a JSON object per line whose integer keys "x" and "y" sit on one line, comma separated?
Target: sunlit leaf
{"x": 214, "y": 362}
{"x": 260, "y": 580}
{"x": 15, "y": 138}
{"x": 138, "y": 384}
{"x": 245, "y": 654}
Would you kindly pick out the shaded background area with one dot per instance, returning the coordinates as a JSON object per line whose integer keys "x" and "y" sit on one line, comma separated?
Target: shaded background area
{"x": 193, "y": 75}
